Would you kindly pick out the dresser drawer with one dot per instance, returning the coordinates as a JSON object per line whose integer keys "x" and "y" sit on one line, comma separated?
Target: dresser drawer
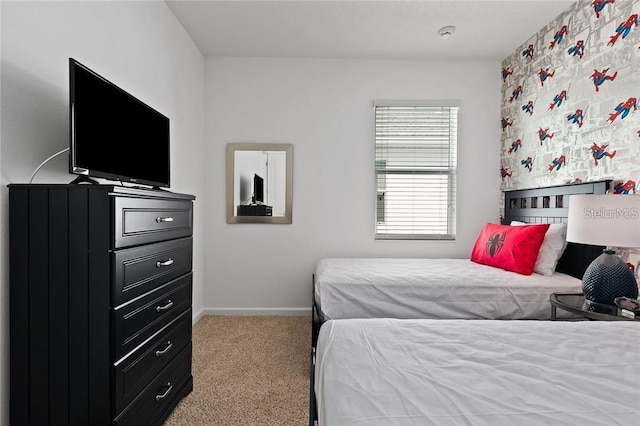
{"x": 142, "y": 221}
{"x": 136, "y": 321}
{"x": 137, "y": 369}
{"x": 141, "y": 269}
{"x": 151, "y": 404}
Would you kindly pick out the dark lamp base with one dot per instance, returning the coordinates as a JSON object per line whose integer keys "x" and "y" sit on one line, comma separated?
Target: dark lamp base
{"x": 600, "y": 308}
{"x": 608, "y": 277}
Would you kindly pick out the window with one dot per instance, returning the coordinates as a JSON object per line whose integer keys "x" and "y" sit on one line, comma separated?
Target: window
{"x": 415, "y": 166}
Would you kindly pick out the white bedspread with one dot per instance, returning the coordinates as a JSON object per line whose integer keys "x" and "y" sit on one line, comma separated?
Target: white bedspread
{"x": 455, "y": 372}
{"x": 433, "y": 288}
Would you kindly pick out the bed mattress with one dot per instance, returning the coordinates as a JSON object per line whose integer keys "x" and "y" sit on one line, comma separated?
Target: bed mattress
{"x": 456, "y": 372}
{"x": 432, "y": 288}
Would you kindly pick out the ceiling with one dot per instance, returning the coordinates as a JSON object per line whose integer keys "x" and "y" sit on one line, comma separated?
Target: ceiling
{"x": 383, "y": 29}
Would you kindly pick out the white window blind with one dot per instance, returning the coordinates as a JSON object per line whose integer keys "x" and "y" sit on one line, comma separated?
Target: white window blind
{"x": 415, "y": 166}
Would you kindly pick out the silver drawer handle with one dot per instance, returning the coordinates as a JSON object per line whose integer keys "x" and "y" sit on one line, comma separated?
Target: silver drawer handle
{"x": 161, "y": 219}
{"x": 165, "y": 307}
{"x": 164, "y": 395}
{"x": 165, "y": 263}
{"x": 165, "y": 350}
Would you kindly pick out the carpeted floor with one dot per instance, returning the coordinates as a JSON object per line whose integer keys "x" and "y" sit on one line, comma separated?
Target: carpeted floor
{"x": 248, "y": 371}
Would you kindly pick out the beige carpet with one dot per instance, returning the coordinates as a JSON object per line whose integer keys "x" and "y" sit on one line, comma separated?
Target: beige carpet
{"x": 248, "y": 371}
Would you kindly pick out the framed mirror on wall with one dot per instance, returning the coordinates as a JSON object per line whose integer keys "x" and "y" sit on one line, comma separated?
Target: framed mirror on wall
{"x": 259, "y": 182}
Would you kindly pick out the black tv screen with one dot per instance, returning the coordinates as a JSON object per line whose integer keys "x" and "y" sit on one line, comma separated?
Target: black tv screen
{"x": 258, "y": 189}
{"x": 113, "y": 134}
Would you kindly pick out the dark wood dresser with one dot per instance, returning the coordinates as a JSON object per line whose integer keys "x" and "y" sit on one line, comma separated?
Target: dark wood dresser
{"x": 100, "y": 304}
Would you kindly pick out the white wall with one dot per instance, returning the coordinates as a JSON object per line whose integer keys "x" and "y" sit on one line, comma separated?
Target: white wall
{"x": 324, "y": 108}
{"x": 139, "y": 46}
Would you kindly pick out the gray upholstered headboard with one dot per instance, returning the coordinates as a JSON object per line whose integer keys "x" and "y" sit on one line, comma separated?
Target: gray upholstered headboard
{"x": 550, "y": 205}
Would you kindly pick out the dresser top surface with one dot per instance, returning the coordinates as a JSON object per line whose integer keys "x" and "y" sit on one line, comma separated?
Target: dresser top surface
{"x": 115, "y": 190}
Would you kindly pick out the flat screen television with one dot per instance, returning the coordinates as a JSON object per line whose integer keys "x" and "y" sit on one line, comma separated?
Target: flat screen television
{"x": 258, "y": 189}
{"x": 114, "y": 135}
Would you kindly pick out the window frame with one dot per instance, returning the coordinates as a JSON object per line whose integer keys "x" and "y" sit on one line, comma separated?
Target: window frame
{"x": 451, "y": 172}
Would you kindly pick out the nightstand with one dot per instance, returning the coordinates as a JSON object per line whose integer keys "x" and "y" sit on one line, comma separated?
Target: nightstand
{"x": 575, "y": 304}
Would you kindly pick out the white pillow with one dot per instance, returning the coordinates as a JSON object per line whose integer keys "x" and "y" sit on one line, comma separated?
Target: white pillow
{"x": 553, "y": 245}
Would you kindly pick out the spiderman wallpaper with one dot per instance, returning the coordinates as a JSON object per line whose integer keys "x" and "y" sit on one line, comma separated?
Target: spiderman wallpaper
{"x": 583, "y": 66}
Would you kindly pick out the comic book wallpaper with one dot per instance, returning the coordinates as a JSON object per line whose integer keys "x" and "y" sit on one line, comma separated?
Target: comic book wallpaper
{"x": 570, "y": 99}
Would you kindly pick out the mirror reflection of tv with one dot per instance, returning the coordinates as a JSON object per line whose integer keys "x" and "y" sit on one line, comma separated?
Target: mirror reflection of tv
{"x": 258, "y": 189}
{"x": 114, "y": 135}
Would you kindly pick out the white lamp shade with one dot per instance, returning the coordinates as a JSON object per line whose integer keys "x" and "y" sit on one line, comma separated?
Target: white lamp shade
{"x": 604, "y": 220}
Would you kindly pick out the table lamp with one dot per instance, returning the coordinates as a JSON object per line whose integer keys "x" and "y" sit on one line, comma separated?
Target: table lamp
{"x": 612, "y": 221}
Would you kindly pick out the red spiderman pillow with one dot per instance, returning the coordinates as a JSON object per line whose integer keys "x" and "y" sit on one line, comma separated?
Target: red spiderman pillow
{"x": 513, "y": 248}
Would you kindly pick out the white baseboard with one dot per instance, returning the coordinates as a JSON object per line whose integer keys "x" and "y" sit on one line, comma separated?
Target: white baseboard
{"x": 197, "y": 316}
{"x": 298, "y": 312}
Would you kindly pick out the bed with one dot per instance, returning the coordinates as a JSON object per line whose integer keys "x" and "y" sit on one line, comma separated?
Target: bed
{"x": 456, "y": 288}
{"x": 433, "y": 288}
{"x": 475, "y": 372}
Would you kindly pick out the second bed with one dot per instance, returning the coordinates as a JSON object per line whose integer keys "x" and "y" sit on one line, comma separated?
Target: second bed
{"x": 433, "y": 288}
{"x": 458, "y": 372}
{"x": 459, "y": 288}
